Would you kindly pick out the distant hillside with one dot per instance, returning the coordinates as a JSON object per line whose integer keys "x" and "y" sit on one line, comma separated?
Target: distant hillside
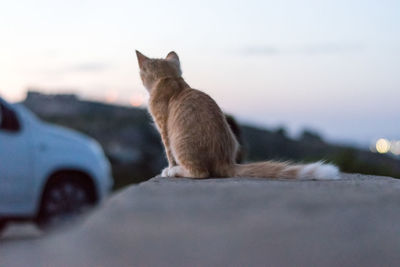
{"x": 135, "y": 150}
{"x": 264, "y": 144}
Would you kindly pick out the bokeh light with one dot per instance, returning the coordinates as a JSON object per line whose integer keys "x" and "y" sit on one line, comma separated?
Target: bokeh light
{"x": 137, "y": 100}
{"x": 382, "y": 145}
{"x": 395, "y": 148}
{"x": 372, "y": 147}
{"x": 111, "y": 96}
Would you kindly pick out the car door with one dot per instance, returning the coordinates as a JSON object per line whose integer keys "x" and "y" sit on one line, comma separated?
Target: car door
{"x": 15, "y": 162}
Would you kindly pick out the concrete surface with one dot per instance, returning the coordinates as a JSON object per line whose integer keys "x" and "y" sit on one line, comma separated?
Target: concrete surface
{"x": 229, "y": 222}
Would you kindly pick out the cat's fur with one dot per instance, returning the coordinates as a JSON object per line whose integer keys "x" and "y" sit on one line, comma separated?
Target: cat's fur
{"x": 197, "y": 139}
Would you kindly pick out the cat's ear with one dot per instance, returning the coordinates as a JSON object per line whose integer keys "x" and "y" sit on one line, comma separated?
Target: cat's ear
{"x": 141, "y": 58}
{"x": 172, "y": 56}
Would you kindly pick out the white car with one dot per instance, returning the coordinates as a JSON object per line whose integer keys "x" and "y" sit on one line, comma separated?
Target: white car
{"x": 47, "y": 172}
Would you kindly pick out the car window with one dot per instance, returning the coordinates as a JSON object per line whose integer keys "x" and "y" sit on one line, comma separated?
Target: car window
{"x": 8, "y": 119}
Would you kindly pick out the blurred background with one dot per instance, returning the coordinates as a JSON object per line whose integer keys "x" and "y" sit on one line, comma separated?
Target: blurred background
{"x": 304, "y": 80}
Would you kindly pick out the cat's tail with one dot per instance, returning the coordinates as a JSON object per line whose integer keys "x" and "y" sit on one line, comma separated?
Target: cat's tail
{"x": 272, "y": 169}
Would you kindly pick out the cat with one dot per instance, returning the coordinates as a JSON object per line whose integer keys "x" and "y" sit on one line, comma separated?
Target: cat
{"x": 197, "y": 138}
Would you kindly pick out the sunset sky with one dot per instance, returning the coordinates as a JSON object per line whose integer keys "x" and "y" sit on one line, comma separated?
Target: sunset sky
{"x": 333, "y": 66}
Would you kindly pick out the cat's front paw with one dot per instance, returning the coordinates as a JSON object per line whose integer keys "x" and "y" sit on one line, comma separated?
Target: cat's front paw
{"x": 175, "y": 171}
{"x": 165, "y": 172}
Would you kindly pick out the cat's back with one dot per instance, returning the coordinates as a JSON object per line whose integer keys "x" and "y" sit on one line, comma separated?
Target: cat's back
{"x": 193, "y": 103}
{"x": 195, "y": 115}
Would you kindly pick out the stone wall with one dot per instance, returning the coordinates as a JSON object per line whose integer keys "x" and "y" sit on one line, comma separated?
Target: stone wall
{"x": 230, "y": 222}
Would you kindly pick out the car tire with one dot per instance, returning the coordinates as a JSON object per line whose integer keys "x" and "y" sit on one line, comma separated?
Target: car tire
{"x": 64, "y": 199}
{"x": 3, "y": 225}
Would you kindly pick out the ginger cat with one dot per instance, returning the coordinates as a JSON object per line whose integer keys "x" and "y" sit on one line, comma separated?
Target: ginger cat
{"x": 197, "y": 139}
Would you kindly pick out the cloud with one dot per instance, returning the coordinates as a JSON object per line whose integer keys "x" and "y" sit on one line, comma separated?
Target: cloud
{"x": 261, "y": 50}
{"x": 85, "y": 68}
{"x": 311, "y": 49}
{"x": 88, "y": 67}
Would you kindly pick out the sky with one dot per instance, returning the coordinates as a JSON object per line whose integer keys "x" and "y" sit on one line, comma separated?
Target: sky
{"x": 331, "y": 66}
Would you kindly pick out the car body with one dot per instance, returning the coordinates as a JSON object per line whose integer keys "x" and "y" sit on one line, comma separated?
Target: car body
{"x": 34, "y": 154}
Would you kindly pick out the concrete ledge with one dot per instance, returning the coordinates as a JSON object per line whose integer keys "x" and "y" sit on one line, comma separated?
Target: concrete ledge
{"x": 231, "y": 222}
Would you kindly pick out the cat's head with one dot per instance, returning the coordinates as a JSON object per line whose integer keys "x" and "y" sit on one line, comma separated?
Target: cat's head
{"x": 152, "y": 70}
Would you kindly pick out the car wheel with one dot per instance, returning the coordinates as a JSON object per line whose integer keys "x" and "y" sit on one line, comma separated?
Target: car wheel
{"x": 3, "y": 225}
{"x": 63, "y": 201}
